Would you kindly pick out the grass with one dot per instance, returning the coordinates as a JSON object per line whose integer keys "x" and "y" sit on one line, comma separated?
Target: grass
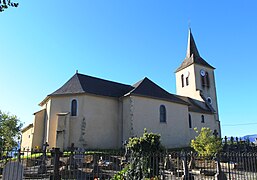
{"x": 65, "y": 154}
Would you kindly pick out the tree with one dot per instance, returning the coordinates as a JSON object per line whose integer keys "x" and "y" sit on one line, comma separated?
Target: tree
{"x": 10, "y": 127}
{"x": 143, "y": 157}
{"x": 206, "y": 143}
{"x": 148, "y": 143}
{"x": 4, "y": 4}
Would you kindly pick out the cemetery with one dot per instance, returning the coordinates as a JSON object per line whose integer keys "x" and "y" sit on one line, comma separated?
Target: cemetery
{"x": 237, "y": 160}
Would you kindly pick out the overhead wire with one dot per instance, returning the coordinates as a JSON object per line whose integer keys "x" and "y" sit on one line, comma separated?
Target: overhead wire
{"x": 243, "y": 124}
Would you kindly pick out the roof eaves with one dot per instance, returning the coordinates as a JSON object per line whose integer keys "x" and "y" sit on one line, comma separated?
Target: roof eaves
{"x": 159, "y": 98}
{"x": 38, "y": 111}
{"x": 27, "y": 127}
{"x": 199, "y": 111}
{"x": 184, "y": 66}
{"x": 44, "y": 100}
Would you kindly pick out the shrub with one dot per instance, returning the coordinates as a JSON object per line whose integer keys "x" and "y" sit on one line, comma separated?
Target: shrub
{"x": 206, "y": 144}
{"x": 143, "y": 150}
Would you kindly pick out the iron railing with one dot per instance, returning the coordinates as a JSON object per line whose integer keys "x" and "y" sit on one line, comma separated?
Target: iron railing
{"x": 104, "y": 165}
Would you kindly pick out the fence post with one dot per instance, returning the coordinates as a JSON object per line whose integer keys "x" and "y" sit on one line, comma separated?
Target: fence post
{"x": 56, "y": 163}
{"x": 19, "y": 155}
{"x": 219, "y": 174}
{"x": 185, "y": 167}
{"x": 161, "y": 166}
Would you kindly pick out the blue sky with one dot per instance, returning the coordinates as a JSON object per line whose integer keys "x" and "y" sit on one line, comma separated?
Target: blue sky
{"x": 43, "y": 43}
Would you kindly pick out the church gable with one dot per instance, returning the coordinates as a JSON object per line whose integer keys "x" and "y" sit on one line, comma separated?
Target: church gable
{"x": 148, "y": 88}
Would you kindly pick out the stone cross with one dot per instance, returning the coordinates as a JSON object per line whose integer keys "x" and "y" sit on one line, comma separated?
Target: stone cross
{"x": 19, "y": 155}
{"x": 72, "y": 148}
{"x": 72, "y": 164}
{"x": 232, "y": 140}
{"x": 13, "y": 171}
{"x": 45, "y": 145}
{"x": 42, "y": 168}
{"x": 237, "y": 141}
{"x": 215, "y": 133}
{"x": 226, "y": 140}
{"x": 125, "y": 143}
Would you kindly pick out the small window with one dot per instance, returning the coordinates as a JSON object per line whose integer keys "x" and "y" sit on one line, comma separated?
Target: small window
{"x": 162, "y": 114}
{"x": 189, "y": 121}
{"x": 74, "y": 107}
{"x": 209, "y": 100}
{"x": 202, "y": 119}
{"x": 203, "y": 80}
{"x": 187, "y": 81}
{"x": 182, "y": 80}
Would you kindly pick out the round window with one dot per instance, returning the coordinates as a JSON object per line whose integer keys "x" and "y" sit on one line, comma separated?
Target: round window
{"x": 209, "y": 100}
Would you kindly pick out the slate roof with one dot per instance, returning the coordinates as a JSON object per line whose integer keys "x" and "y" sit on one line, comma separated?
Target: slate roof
{"x": 196, "y": 106}
{"x": 148, "y": 88}
{"x": 81, "y": 83}
{"x": 193, "y": 56}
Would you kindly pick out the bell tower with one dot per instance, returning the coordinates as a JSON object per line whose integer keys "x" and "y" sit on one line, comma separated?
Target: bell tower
{"x": 195, "y": 77}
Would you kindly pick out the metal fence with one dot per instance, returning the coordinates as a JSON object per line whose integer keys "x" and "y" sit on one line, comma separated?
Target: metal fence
{"x": 104, "y": 165}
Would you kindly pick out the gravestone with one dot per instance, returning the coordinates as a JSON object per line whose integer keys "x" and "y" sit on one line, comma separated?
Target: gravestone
{"x": 13, "y": 171}
{"x": 79, "y": 156}
{"x": 71, "y": 164}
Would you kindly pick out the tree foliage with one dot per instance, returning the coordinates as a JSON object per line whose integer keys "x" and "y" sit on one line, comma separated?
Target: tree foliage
{"x": 148, "y": 143}
{"x": 4, "y": 4}
{"x": 206, "y": 144}
{"x": 142, "y": 151}
{"x": 10, "y": 127}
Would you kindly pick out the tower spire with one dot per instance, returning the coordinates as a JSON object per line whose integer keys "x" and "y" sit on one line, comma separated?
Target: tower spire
{"x": 192, "y": 54}
{"x": 191, "y": 46}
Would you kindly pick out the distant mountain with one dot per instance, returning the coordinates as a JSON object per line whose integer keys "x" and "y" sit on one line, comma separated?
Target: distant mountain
{"x": 252, "y": 138}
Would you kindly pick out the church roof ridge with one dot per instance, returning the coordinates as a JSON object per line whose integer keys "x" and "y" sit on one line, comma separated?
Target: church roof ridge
{"x": 192, "y": 54}
{"x": 72, "y": 86}
{"x": 81, "y": 83}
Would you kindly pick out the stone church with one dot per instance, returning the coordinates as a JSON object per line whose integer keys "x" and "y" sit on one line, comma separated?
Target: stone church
{"x": 94, "y": 113}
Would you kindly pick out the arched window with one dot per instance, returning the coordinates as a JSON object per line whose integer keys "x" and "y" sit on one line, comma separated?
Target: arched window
{"x": 162, "y": 114}
{"x": 203, "y": 80}
{"x": 207, "y": 80}
{"x": 182, "y": 80}
{"x": 74, "y": 107}
{"x": 187, "y": 81}
{"x": 202, "y": 119}
{"x": 189, "y": 121}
